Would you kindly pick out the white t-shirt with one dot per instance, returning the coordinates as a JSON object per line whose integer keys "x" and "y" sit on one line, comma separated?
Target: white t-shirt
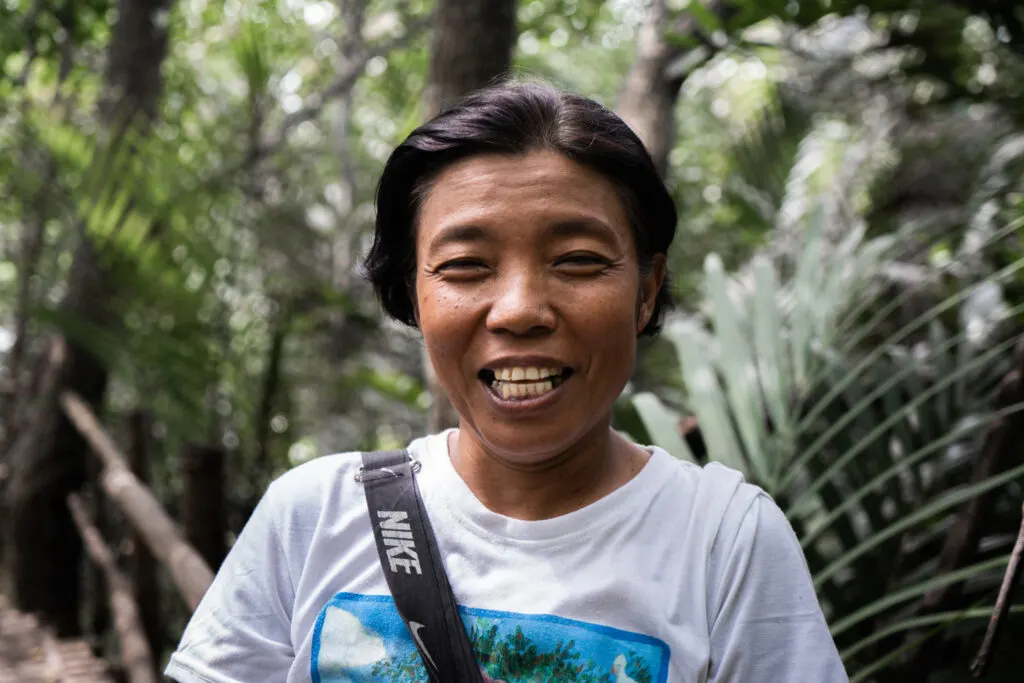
{"x": 683, "y": 575}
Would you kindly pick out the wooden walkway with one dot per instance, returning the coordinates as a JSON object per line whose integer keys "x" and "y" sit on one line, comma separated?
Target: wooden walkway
{"x": 29, "y": 654}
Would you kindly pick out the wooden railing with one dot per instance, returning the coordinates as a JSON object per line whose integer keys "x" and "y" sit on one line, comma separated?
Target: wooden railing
{"x": 190, "y": 573}
{"x": 136, "y": 656}
{"x": 188, "y": 570}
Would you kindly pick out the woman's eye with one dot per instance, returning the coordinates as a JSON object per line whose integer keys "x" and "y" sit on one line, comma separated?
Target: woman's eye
{"x": 461, "y": 266}
{"x": 589, "y": 261}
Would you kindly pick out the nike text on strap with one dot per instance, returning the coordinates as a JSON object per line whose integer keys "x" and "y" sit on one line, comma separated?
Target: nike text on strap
{"x": 413, "y": 568}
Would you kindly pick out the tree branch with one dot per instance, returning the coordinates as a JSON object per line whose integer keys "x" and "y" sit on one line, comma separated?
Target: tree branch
{"x": 980, "y": 664}
{"x": 341, "y": 84}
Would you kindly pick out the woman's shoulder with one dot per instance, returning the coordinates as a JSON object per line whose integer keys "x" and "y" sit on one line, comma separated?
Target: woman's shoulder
{"x": 323, "y": 466}
{"x": 740, "y": 513}
{"x": 719, "y": 500}
{"x": 327, "y": 482}
{"x": 713, "y": 487}
{"x": 306, "y": 490}
{"x": 320, "y": 472}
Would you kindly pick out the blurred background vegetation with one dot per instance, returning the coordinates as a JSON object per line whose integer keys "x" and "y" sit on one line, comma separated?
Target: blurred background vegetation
{"x": 186, "y": 189}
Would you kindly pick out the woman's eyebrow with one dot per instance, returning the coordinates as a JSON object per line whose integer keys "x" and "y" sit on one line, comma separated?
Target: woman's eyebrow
{"x": 586, "y": 227}
{"x": 458, "y": 234}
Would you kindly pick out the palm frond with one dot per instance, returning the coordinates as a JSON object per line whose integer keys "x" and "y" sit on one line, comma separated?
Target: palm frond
{"x": 867, "y": 448}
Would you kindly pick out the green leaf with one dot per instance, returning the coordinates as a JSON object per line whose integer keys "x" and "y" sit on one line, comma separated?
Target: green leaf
{"x": 662, "y": 425}
{"x": 706, "y": 19}
{"x": 941, "y": 504}
{"x": 940, "y": 619}
{"x": 915, "y": 591}
{"x": 770, "y": 346}
{"x": 705, "y": 393}
{"x": 881, "y": 427}
{"x": 250, "y": 52}
{"x": 805, "y": 290}
{"x": 736, "y": 364}
{"x": 957, "y": 433}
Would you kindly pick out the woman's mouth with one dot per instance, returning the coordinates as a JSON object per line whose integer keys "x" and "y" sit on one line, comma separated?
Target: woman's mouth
{"x": 523, "y": 383}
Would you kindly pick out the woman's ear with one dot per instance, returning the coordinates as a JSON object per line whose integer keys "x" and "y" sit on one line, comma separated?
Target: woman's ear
{"x": 650, "y": 285}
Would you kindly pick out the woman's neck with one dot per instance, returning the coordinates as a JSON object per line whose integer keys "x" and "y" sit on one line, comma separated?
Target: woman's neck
{"x": 594, "y": 467}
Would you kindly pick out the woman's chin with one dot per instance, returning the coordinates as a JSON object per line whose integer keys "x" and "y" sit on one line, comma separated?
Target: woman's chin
{"x": 528, "y": 447}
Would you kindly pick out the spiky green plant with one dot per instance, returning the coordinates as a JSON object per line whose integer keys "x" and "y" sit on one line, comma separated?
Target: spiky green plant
{"x": 868, "y": 447}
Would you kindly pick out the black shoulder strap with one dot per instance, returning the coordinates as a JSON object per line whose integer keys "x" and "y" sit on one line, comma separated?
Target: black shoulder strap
{"x": 413, "y": 567}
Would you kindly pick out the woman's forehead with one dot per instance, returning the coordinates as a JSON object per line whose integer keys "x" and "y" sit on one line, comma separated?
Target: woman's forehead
{"x": 540, "y": 186}
{"x": 517, "y": 170}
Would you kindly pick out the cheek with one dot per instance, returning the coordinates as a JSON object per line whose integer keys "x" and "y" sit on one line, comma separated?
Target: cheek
{"x": 444, "y": 318}
{"x": 610, "y": 303}
{"x": 605, "y": 320}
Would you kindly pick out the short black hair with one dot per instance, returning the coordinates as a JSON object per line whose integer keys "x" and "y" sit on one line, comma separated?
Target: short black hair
{"x": 514, "y": 118}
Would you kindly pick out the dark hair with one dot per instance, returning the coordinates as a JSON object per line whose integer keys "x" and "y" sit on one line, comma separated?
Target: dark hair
{"x": 515, "y": 118}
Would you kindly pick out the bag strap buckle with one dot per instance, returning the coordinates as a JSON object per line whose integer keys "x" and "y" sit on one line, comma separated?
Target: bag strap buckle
{"x": 364, "y": 475}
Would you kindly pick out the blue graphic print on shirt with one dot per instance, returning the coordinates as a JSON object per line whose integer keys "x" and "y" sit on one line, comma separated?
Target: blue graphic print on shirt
{"x": 361, "y": 639}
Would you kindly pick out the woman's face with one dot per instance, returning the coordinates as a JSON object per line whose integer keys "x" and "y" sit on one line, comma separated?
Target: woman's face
{"x": 530, "y": 299}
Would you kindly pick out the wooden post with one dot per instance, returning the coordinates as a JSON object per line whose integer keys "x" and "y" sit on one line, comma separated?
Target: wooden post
{"x": 99, "y": 607}
{"x": 135, "y": 654}
{"x": 143, "y": 565}
{"x": 203, "y": 510}
{"x": 190, "y": 573}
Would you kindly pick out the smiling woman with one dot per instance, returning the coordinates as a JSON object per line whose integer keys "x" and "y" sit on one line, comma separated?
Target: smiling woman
{"x": 524, "y": 233}
{"x": 526, "y": 265}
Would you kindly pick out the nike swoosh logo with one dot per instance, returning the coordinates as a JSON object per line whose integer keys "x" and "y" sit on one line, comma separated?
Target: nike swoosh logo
{"x": 414, "y": 629}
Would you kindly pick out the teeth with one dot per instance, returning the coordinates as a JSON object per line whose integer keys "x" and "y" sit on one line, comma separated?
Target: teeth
{"x": 524, "y": 373}
{"x": 524, "y": 389}
{"x": 541, "y": 388}
{"x": 525, "y": 382}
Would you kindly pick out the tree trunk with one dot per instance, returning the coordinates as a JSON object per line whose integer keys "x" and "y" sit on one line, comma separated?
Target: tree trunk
{"x": 143, "y": 566}
{"x": 44, "y": 381}
{"x": 48, "y": 463}
{"x": 33, "y": 239}
{"x": 99, "y": 606}
{"x": 32, "y": 242}
{"x": 270, "y": 390}
{"x": 203, "y": 509}
{"x": 471, "y": 48}
{"x": 45, "y": 552}
{"x": 648, "y": 98}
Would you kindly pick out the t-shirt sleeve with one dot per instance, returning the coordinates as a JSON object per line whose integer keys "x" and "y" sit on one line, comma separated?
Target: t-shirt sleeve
{"x": 241, "y": 630}
{"x": 767, "y": 625}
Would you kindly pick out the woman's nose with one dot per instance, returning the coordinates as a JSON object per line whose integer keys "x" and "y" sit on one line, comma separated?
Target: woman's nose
{"x": 522, "y": 307}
